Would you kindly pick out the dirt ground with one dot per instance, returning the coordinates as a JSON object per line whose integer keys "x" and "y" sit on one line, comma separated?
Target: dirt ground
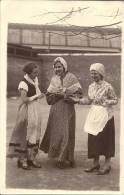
{"x": 51, "y": 178}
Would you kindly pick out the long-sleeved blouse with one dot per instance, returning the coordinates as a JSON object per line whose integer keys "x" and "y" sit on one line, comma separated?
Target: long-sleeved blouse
{"x": 102, "y": 93}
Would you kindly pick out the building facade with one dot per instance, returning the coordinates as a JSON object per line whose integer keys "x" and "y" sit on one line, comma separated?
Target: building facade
{"x": 39, "y": 43}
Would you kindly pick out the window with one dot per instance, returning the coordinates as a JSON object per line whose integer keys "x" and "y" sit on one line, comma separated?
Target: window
{"x": 13, "y": 36}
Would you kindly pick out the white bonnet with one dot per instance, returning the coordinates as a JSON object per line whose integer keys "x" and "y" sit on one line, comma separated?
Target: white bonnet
{"x": 62, "y": 61}
{"x": 98, "y": 67}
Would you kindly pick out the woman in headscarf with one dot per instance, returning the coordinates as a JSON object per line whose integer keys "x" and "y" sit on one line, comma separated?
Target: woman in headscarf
{"x": 100, "y": 120}
{"x": 26, "y": 135}
{"x": 59, "y": 137}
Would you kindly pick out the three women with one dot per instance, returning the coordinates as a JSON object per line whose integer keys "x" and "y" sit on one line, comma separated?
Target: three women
{"x": 59, "y": 138}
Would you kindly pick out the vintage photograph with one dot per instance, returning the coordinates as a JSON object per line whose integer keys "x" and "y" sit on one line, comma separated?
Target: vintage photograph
{"x": 63, "y": 96}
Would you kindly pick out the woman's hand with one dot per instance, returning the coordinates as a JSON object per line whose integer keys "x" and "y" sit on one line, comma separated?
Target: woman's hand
{"x": 60, "y": 93}
{"x": 98, "y": 101}
{"x": 36, "y": 97}
{"x": 75, "y": 99}
{"x": 109, "y": 102}
{"x": 41, "y": 95}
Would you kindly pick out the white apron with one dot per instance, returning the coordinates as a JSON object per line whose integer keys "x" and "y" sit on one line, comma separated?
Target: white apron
{"x": 96, "y": 119}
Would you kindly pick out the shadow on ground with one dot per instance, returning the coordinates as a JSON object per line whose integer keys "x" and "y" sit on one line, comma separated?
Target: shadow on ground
{"x": 51, "y": 178}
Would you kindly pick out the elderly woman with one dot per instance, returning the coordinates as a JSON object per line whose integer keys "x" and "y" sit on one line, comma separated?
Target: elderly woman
{"x": 25, "y": 137}
{"x": 59, "y": 138}
{"x": 100, "y": 120}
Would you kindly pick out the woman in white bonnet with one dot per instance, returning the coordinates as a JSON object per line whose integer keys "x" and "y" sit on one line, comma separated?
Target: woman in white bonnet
{"x": 100, "y": 120}
{"x": 59, "y": 137}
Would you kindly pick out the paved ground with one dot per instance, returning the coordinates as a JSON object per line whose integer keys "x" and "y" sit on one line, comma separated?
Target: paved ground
{"x": 51, "y": 178}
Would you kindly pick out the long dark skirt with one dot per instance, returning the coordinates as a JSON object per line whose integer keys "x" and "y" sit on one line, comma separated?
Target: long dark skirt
{"x": 59, "y": 137}
{"x": 104, "y": 142}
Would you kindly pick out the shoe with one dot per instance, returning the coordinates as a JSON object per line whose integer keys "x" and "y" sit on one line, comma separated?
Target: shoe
{"x": 23, "y": 165}
{"x": 60, "y": 165}
{"x": 92, "y": 169}
{"x": 104, "y": 171}
{"x": 72, "y": 164}
{"x": 19, "y": 163}
{"x": 34, "y": 164}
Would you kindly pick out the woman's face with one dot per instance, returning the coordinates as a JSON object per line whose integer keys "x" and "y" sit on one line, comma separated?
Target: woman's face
{"x": 59, "y": 69}
{"x": 34, "y": 73}
{"x": 95, "y": 75}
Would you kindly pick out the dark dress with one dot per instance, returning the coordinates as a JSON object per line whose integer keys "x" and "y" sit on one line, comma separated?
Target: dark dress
{"x": 59, "y": 138}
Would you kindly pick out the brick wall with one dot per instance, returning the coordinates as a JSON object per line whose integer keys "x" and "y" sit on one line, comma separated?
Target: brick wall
{"x": 79, "y": 65}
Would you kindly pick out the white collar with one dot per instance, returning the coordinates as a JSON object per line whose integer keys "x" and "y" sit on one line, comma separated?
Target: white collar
{"x": 33, "y": 82}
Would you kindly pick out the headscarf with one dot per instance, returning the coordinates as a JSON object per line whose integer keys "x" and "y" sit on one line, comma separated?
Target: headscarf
{"x": 98, "y": 67}
{"x": 62, "y": 61}
{"x": 70, "y": 81}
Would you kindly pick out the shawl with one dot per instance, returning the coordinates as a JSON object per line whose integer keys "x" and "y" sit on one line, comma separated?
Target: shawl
{"x": 70, "y": 84}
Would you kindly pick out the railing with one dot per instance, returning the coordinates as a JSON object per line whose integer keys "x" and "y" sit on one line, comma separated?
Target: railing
{"x": 41, "y": 38}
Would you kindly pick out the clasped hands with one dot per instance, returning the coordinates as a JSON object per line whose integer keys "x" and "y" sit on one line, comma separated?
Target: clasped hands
{"x": 39, "y": 95}
{"x": 65, "y": 92}
{"x": 60, "y": 92}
